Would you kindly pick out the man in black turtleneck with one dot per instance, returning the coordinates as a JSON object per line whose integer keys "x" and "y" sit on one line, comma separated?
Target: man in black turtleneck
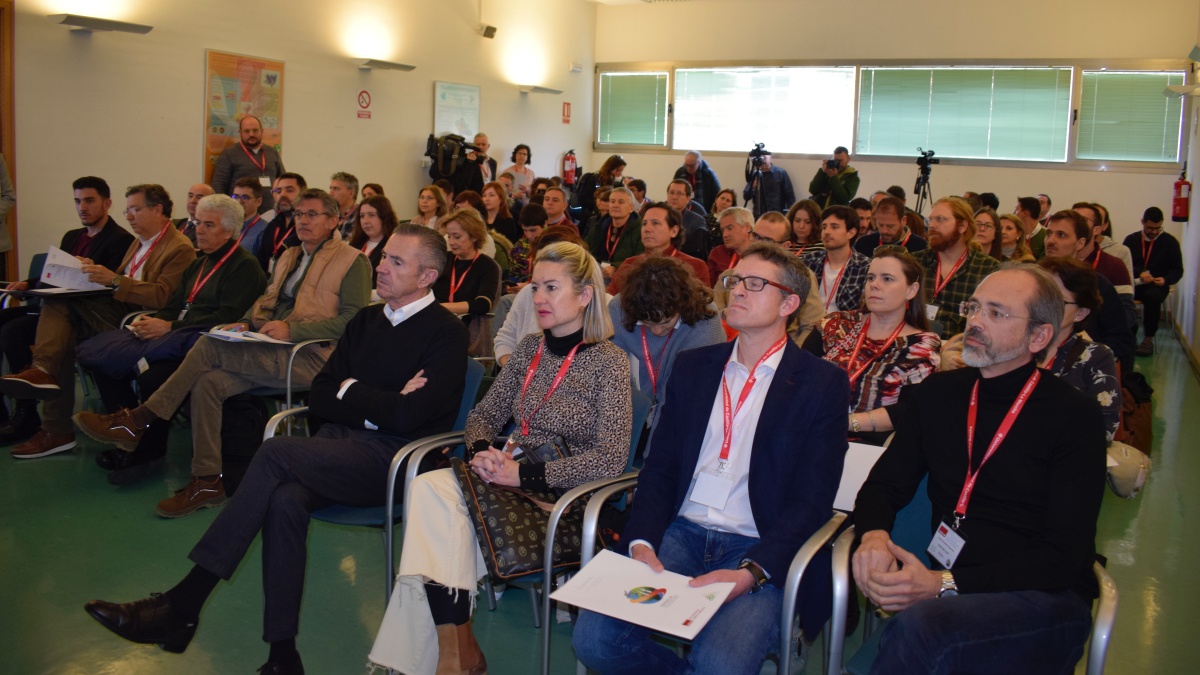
{"x": 396, "y": 375}
{"x": 1029, "y": 521}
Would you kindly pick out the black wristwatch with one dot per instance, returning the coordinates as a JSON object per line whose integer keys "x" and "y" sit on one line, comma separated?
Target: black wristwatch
{"x": 760, "y": 575}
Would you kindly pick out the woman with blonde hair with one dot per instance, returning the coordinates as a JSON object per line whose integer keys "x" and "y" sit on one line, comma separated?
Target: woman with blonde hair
{"x": 1013, "y": 246}
{"x": 431, "y": 205}
{"x": 471, "y": 283}
{"x": 569, "y": 382}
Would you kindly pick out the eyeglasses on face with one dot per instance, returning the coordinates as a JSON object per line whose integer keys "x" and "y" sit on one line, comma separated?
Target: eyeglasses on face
{"x": 243, "y": 198}
{"x": 984, "y": 226}
{"x": 754, "y": 284}
{"x": 309, "y": 214}
{"x": 971, "y": 309}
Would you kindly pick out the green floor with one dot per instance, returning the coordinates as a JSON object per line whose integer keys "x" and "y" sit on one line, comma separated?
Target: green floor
{"x": 67, "y": 536}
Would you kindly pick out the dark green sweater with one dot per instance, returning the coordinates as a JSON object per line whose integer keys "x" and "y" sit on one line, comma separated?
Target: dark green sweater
{"x": 224, "y": 297}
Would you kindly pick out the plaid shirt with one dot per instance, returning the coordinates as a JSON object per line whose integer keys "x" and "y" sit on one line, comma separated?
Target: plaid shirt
{"x": 854, "y": 278}
{"x": 959, "y": 288}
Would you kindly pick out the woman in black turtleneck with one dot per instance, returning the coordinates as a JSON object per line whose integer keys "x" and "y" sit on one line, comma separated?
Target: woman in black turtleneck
{"x": 471, "y": 283}
{"x": 590, "y": 410}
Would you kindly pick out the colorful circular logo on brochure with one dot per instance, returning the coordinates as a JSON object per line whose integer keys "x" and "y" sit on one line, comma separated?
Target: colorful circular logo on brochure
{"x": 645, "y": 595}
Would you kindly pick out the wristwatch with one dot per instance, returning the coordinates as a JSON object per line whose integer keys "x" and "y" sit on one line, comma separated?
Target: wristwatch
{"x": 760, "y": 575}
{"x": 949, "y": 588}
{"x": 116, "y": 281}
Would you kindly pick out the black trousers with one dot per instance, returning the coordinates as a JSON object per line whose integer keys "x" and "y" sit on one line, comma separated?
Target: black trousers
{"x": 1152, "y": 297}
{"x": 18, "y": 330}
{"x": 289, "y": 478}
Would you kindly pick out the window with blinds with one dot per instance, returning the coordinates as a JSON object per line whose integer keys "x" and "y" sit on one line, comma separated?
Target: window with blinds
{"x": 1125, "y": 116}
{"x": 790, "y": 109}
{"x": 633, "y": 109}
{"x": 1014, "y": 113}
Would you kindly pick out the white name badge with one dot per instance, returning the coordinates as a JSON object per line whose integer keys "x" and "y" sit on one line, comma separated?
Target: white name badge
{"x": 142, "y": 365}
{"x": 931, "y": 312}
{"x": 264, "y": 181}
{"x": 712, "y": 488}
{"x": 946, "y": 545}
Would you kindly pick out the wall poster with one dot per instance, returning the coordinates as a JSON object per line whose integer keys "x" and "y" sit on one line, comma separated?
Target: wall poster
{"x": 455, "y": 109}
{"x": 236, "y": 86}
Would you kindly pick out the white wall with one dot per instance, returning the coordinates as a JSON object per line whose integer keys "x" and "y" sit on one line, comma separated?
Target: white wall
{"x": 774, "y": 30}
{"x": 1187, "y": 318}
{"x": 130, "y": 108}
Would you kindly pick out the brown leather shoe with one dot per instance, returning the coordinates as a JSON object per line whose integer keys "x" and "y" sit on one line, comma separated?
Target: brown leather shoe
{"x": 458, "y": 652}
{"x": 43, "y": 444}
{"x": 30, "y": 383}
{"x": 196, "y": 495}
{"x": 117, "y": 428}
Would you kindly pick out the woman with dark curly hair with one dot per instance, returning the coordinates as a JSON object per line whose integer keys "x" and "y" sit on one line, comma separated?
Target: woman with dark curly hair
{"x": 663, "y": 309}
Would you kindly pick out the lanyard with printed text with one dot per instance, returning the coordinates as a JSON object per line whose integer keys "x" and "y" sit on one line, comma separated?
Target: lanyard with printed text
{"x": 558, "y": 378}
{"x": 964, "y": 497}
{"x": 731, "y": 412}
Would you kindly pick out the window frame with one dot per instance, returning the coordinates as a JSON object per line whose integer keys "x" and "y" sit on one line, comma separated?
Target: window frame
{"x": 1072, "y": 163}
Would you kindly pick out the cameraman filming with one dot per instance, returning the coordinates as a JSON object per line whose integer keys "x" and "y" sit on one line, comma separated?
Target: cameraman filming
{"x": 456, "y": 160}
{"x": 836, "y": 181}
{"x": 775, "y": 193}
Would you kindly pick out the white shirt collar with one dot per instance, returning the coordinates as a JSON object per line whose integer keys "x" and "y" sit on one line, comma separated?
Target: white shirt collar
{"x": 772, "y": 362}
{"x": 398, "y": 316}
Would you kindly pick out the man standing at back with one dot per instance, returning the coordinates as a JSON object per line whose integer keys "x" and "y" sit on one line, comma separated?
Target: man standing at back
{"x": 732, "y": 495}
{"x": 249, "y": 157}
{"x": 775, "y": 191}
{"x": 700, "y": 177}
{"x": 836, "y": 182}
{"x": 1159, "y": 265}
{"x": 1016, "y": 504}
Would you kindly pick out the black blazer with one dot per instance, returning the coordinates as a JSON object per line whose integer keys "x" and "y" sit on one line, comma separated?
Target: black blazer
{"x": 796, "y": 465}
{"x": 108, "y": 246}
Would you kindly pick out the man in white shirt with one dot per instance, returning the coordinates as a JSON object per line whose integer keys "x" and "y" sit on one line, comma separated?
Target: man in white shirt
{"x": 732, "y": 495}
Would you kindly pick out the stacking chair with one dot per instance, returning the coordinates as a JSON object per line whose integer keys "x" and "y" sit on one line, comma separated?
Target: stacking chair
{"x": 378, "y": 516}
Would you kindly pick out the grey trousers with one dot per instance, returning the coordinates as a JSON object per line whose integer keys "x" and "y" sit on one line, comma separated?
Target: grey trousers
{"x": 288, "y": 479}
{"x": 215, "y": 370}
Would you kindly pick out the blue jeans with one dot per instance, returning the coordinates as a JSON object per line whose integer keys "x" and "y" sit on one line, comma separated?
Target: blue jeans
{"x": 737, "y": 639}
{"x": 1014, "y": 632}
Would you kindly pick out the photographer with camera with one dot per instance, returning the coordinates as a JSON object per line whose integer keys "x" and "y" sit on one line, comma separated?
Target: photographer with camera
{"x": 836, "y": 181}
{"x": 769, "y": 187}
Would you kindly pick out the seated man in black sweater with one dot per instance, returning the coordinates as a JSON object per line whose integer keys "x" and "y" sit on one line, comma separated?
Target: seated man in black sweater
{"x": 396, "y": 376}
{"x": 1016, "y": 593}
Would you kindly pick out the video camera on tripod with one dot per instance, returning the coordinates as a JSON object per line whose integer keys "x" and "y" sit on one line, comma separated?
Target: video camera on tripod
{"x": 925, "y": 162}
{"x": 447, "y": 152}
{"x": 754, "y": 160}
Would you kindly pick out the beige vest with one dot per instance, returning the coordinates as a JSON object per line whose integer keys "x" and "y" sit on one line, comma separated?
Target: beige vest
{"x": 318, "y": 295}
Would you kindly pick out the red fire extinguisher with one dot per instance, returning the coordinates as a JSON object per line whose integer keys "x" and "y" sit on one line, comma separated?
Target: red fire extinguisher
{"x": 569, "y": 168}
{"x": 1181, "y": 204}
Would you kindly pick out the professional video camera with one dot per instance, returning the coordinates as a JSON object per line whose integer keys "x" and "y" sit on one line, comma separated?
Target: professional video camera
{"x": 925, "y": 158}
{"x": 447, "y": 152}
{"x": 925, "y": 162}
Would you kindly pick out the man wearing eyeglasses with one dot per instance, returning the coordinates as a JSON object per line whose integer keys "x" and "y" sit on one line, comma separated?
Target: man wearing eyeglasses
{"x": 952, "y": 269}
{"x": 1158, "y": 263}
{"x": 315, "y": 290}
{"x": 1012, "y": 582}
{"x": 280, "y": 234}
{"x": 732, "y": 495}
{"x": 249, "y": 194}
{"x": 188, "y": 225}
{"x": 151, "y": 271}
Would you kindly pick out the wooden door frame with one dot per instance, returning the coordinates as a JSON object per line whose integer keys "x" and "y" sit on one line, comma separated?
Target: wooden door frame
{"x": 7, "y": 128}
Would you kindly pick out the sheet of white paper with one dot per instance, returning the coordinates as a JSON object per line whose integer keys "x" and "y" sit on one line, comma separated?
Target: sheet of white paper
{"x": 65, "y": 271}
{"x": 860, "y": 457}
{"x": 623, "y": 588}
{"x": 245, "y": 336}
{"x": 1112, "y": 462}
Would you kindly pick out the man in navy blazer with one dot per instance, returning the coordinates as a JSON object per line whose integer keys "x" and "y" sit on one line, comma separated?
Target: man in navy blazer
{"x": 732, "y": 495}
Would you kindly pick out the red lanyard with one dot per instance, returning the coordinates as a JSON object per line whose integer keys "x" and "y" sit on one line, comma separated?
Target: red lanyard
{"x": 732, "y": 261}
{"x": 558, "y": 378}
{"x": 261, "y": 167}
{"x": 964, "y": 497}
{"x": 280, "y": 241}
{"x": 862, "y": 336}
{"x": 650, "y": 367}
{"x": 729, "y": 414}
{"x": 610, "y": 245}
{"x": 1146, "y": 252}
{"x": 136, "y": 264}
{"x": 831, "y": 293}
{"x": 906, "y": 238}
{"x": 199, "y": 283}
{"x": 246, "y": 228}
{"x": 455, "y": 282}
{"x": 1096, "y": 260}
{"x": 942, "y": 281}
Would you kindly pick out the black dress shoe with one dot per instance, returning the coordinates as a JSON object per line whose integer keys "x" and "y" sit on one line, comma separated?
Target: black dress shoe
{"x": 109, "y": 459}
{"x": 148, "y": 621}
{"x": 277, "y": 668}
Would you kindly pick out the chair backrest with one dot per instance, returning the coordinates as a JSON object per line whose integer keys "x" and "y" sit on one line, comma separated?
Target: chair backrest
{"x": 911, "y": 529}
{"x": 470, "y": 391}
{"x": 641, "y": 409}
{"x": 36, "y": 263}
{"x": 860, "y": 457}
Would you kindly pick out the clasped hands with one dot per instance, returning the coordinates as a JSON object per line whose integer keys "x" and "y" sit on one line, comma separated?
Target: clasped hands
{"x": 890, "y": 576}
{"x": 496, "y": 466}
{"x": 742, "y": 580}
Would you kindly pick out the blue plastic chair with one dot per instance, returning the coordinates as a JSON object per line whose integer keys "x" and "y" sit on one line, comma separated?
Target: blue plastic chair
{"x": 376, "y": 516}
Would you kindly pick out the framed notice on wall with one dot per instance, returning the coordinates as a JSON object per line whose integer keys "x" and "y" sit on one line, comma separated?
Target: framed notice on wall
{"x": 236, "y": 86}
{"x": 455, "y": 109}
